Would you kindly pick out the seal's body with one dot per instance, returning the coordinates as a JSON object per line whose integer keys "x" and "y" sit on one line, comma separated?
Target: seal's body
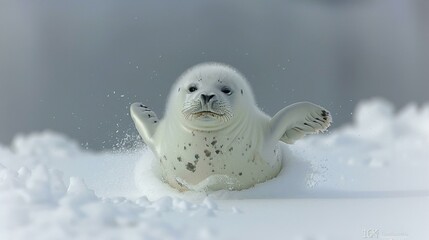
{"x": 213, "y": 136}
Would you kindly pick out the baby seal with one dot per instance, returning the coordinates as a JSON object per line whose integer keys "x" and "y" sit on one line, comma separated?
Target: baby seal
{"x": 213, "y": 136}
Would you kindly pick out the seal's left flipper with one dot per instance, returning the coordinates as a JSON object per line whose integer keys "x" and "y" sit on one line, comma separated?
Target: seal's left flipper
{"x": 299, "y": 119}
{"x": 145, "y": 120}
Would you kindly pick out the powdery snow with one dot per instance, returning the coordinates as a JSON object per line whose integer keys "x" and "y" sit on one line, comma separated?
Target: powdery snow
{"x": 369, "y": 178}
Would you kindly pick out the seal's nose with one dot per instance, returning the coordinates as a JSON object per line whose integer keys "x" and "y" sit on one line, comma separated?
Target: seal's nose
{"x": 206, "y": 98}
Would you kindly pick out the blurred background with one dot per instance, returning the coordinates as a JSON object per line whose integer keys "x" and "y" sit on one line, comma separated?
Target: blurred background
{"x": 75, "y": 66}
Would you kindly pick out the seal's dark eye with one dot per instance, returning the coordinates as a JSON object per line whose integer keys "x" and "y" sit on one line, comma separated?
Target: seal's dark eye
{"x": 226, "y": 90}
{"x": 192, "y": 89}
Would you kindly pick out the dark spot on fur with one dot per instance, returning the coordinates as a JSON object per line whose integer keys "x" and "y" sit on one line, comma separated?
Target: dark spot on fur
{"x": 184, "y": 147}
{"x": 325, "y": 113}
{"x": 207, "y": 152}
{"x": 165, "y": 157}
{"x": 178, "y": 90}
{"x": 149, "y": 115}
{"x": 179, "y": 158}
{"x": 190, "y": 167}
{"x": 174, "y": 168}
{"x": 217, "y": 151}
{"x": 214, "y": 142}
{"x": 240, "y": 173}
{"x": 230, "y": 149}
{"x": 155, "y": 121}
{"x": 306, "y": 124}
{"x": 189, "y": 144}
{"x": 212, "y": 170}
{"x": 241, "y": 91}
{"x": 197, "y": 156}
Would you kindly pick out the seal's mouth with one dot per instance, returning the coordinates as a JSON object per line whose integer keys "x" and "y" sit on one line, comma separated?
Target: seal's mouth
{"x": 193, "y": 110}
{"x": 207, "y": 114}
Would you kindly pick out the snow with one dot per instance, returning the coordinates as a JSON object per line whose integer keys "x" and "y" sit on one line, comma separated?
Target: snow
{"x": 368, "y": 179}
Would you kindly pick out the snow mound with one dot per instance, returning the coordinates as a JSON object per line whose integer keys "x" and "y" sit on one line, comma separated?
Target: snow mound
{"x": 37, "y": 204}
{"x": 52, "y": 189}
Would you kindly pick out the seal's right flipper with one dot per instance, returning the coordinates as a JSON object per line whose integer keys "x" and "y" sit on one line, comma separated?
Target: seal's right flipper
{"x": 145, "y": 120}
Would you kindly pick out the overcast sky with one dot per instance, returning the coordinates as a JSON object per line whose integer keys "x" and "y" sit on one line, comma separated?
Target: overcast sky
{"x": 75, "y": 66}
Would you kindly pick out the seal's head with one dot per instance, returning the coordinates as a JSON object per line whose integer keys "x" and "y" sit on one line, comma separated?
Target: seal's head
{"x": 210, "y": 96}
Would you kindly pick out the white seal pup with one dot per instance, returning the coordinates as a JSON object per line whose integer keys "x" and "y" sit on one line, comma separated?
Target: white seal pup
{"x": 213, "y": 136}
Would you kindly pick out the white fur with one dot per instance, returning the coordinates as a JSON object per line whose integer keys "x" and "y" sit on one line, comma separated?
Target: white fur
{"x": 213, "y": 136}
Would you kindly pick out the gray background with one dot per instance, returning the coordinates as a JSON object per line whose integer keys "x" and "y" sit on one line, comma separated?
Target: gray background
{"x": 75, "y": 66}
